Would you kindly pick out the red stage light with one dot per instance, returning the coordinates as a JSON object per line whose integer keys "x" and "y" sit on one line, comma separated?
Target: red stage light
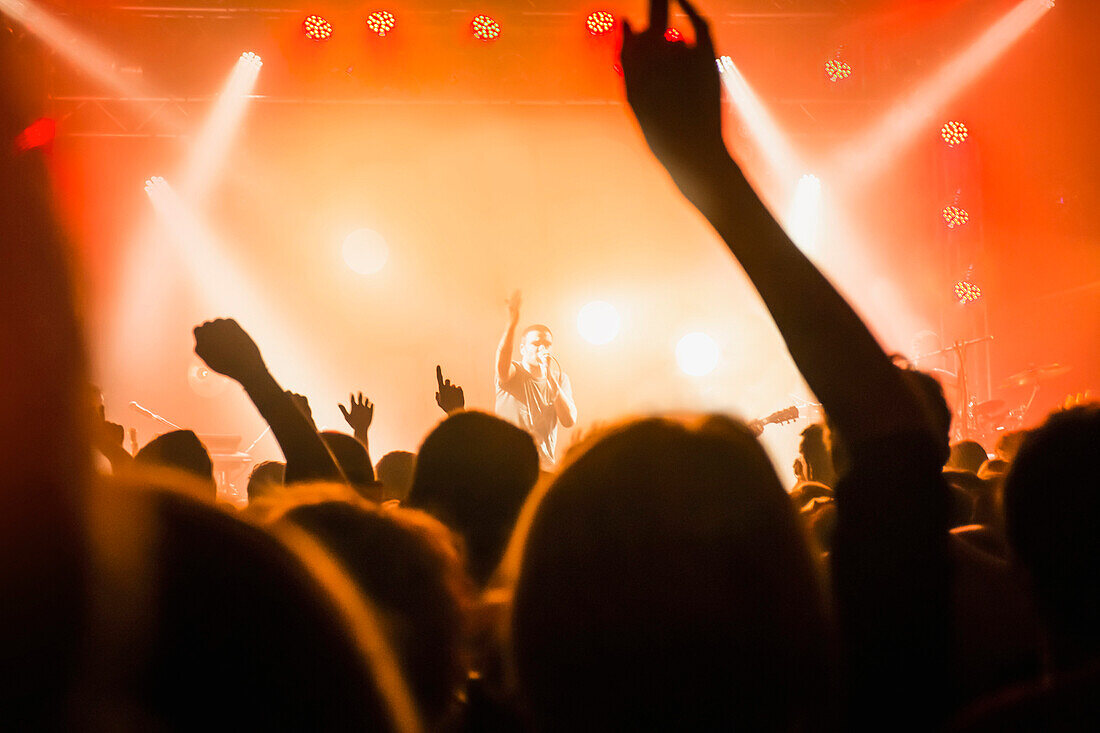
{"x": 381, "y": 22}
{"x": 672, "y": 35}
{"x": 485, "y": 28}
{"x": 600, "y": 23}
{"x": 38, "y": 134}
{"x": 837, "y": 70}
{"x": 954, "y": 133}
{"x": 967, "y": 292}
{"x": 955, "y": 216}
{"x": 317, "y": 28}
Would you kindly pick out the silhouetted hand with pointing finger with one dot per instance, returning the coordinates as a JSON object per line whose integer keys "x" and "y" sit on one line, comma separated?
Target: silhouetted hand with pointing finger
{"x": 449, "y": 397}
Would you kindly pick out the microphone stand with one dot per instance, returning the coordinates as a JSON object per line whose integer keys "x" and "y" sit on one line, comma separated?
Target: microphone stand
{"x": 154, "y": 416}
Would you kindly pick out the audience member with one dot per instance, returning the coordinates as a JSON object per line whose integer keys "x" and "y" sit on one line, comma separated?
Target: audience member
{"x": 182, "y": 450}
{"x": 473, "y": 473}
{"x": 395, "y": 471}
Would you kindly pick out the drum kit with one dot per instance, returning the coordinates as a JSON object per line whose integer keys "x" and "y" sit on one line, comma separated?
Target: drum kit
{"x": 986, "y": 420}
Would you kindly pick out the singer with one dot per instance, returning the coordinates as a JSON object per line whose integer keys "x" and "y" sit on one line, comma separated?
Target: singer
{"x": 533, "y": 393}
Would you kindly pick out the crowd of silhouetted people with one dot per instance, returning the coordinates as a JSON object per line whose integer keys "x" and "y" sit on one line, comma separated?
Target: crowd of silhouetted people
{"x": 662, "y": 576}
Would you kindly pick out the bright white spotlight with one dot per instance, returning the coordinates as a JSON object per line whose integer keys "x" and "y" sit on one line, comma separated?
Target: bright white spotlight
{"x": 804, "y": 214}
{"x": 365, "y": 251}
{"x": 598, "y": 322}
{"x": 873, "y": 149}
{"x": 211, "y": 145}
{"x": 767, "y": 135}
{"x": 153, "y": 183}
{"x": 697, "y": 354}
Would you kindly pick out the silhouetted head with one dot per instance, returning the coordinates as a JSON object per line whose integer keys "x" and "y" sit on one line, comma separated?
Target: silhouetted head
{"x": 395, "y": 471}
{"x": 406, "y": 562}
{"x": 815, "y": 455}
{"x": 180, "y": 449}
{"x": 354, "y": 461}
{"x": 473, "y": 472}
{"x": 265, "y": 477}
{"x": 967, "y": 455}
{"x": 993, "y": 469}
{"x": 1052, "y": 518}
{"x": 1008, "y": 443}
{"x": 665, "y": 582}
{"x": 199, "y": 598}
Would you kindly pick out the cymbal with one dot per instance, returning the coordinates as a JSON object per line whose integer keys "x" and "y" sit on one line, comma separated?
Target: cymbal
{"x": 1033, "y": 375}
{"x": 988, "y": 408}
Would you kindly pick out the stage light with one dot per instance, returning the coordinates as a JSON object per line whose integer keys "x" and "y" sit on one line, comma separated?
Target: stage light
{"x": 365, "y": 251}
{"x": 485, "y": 28}
{"x": 38, "y": 134}
{"x": 600, "y": 23}
{"x": 598, "y": 322}
{"x": 153, "y": 182}
{"x": 696, "y": 354}
{"x": 954, "y": 216}
{"x": 317, "y": 28}
{"x": 252, "y": 60}
{"x": 954, "y": 133}
{"x": 837, "y": 70}
{"x": 381, "y": 22}
{"x": 876, "y": 147}
{"x": 672, "y": 35}
{"x": 967, "y": 292}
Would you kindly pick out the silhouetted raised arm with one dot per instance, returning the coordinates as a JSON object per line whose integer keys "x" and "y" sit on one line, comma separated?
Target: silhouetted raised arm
{"x": 889, "y": 561}
{"x": 228, "y": 349}
{"x": 674, "y": 92}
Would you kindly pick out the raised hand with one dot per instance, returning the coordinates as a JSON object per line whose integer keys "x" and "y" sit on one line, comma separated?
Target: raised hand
{"x": 674, "y": 90}
{"x": 359, "y": 413}
{"x": 513, "y": 302}
{"x": 450, "y": 397}
{"x": 228, "y": 349}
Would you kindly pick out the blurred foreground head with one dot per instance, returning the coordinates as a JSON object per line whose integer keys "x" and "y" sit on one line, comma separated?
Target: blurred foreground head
{"x": 1052, "y": 518}
{"x": 665, "y": 582}
{"x": 407, "y": 564}
{"x": 473, "y": 473}
{"x": 198, "y": 616}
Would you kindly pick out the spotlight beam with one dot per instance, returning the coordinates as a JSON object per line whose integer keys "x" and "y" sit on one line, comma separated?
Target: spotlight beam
{"x": 870, "y": 151}
{"x": 781, "y": 157}
{"x": 83, "y": 53}
{"x": 209, "y": 148}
